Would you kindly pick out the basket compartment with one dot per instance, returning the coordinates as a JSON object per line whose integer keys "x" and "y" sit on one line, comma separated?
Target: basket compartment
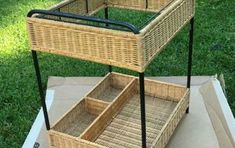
{"x": 125, "y": 129}
{"x": 110, "y": 87}
{"x": 121, "y": 124}
{"x": 117, "y": 123}
{"x": 80, "y": 117}
{"x": 108, "y": 45}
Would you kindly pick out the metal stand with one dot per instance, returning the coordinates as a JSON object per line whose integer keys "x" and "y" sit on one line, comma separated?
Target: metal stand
{"x": 42, "y": 96}
{"x": 106, "y": 15}
{"x": 87, "y": 7}
{"x": 190, "y": 53}
{"x": 110, "y": 68}
{"x": 142, "y": 107}
{"x": 141, "y": 75}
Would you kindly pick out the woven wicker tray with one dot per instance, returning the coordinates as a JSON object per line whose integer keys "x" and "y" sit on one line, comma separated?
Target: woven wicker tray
{"x": 131, "y": 49}
{"x": 109, "y": 115}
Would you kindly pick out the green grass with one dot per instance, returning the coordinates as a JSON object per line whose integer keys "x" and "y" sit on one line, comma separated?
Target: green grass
{"x": 214, "y": 52}
{"x": 137, "y": 18}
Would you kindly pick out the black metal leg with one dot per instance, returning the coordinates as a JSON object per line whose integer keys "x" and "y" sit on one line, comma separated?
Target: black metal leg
{"x": 190, "y": 53}
{"x": 106, "y": 15}
{"x": 59, "y": 11}
{"x": 42, "y": 96}
{"x": 87, "y": 6}
{"x": 142, "y": 107}
{"x": 110, "y": 68}
{"x": 146, "y": 1}
{"x": 187, "y": 110}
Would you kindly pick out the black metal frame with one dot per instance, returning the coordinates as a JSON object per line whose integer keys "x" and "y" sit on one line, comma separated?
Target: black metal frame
{"x": 87, "y": 6}
{"x": 40, "y": 88}
{"x": 141, "y": 75}
{"x": 127, "y": 25}
{"x": 190, "y": 55}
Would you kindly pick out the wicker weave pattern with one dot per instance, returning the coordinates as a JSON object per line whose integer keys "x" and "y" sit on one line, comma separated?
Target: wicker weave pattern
{"x": 59, "y": 140}
{"x": 76, "y": 7}
{"x": 79, "y": 6}
{"x": 168, "y": 130}
{"x": 106, "y": 46}
{"x": 157, "y": 4}
{"x": 68, "y": 120}
{"x": 164, "y": 30}
{"x": 110, "y": 88}
{"x": 141, "y": 4}
{"x": 164, "y": 91}
{"x": 94, "y": 4}
{"x": 152, "y": 5}
{"x": 88, "y": 43}
{"x": 119, "y": 123}
{"x": 125, "y": 129}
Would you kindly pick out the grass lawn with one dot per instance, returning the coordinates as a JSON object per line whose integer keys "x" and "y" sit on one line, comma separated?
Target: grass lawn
{"x": 214, "y": 52}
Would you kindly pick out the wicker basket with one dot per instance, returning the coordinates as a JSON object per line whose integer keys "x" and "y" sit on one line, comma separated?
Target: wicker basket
{"x": 113, "y": 119}
{"x": 102, "y": 44}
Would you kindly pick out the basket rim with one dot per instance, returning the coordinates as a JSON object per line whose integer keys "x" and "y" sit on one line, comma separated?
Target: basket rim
{"x": 138, "y": 32}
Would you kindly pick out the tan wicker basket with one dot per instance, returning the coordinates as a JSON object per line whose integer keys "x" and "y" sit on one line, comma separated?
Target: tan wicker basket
{"x": 113, "y": 47}
{"x": 109, "y": 116}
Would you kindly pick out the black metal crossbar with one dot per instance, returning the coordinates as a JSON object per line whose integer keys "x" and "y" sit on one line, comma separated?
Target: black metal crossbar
{"x": 127, "y": 25}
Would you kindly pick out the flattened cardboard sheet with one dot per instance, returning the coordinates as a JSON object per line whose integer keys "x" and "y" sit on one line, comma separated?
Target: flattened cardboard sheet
{"x": 195, "y": 130}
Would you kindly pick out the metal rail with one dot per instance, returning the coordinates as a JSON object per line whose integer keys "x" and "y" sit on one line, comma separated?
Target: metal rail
{"x": 142, "y": 109}
{"x": 190, "y": 55}
{"x": 106, "y": 15}
{"x": 85, "y": 18}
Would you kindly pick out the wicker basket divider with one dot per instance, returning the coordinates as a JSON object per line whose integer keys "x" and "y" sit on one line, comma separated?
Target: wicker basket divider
{"x": 95, "y": 129}
{"x": 59, "y": 136}
{"x": 64, "y": 132}
{"x": 165, "y": 91}
{"x": 112, "y": 47}
{"x": 78, "y": 6}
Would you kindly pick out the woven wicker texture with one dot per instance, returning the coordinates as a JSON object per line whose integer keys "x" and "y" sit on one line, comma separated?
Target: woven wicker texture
{"x": 125, "y": 129}
{"x": 118, "y": 48}
{"x": 81, "y": 116}
{"x": 117, "y": 123}
{"x": 59, "y": 140}
{"x": 75, "y": 7}
{"x": 150, "y": 5}
{"x": 79, "y": 6}
{"x": 164, "y": 30}
{"x": 110, "y": 88}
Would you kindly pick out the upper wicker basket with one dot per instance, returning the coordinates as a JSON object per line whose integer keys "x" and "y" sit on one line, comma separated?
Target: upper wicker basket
{"x": 68, "y": 29}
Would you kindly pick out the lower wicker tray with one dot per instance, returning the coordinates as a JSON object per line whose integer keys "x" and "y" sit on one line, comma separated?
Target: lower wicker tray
{"x": 109, "y": 116}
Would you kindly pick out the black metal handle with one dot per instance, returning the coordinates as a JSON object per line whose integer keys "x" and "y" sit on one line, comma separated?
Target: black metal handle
{"x": 86, "y": 18}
